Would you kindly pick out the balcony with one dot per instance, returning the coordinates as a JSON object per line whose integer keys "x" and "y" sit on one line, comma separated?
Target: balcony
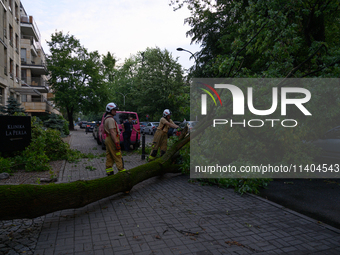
{"x": 37, "y": 83}
{"x": 41, "y": 107}
{"x": 29, "y": 27}
{"x": 37, "y": 67}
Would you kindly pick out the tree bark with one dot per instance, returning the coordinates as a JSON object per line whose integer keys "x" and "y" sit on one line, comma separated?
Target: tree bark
{"x": 70, "y": 118}
{"x": 30, "y": 201}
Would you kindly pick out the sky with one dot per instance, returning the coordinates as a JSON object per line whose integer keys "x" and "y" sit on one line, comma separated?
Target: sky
{"x": 123, "y": 27}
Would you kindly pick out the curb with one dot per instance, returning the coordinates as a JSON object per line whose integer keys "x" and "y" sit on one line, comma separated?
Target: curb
{"x": 324, "y": 225}
{"x": 61, "y": 172}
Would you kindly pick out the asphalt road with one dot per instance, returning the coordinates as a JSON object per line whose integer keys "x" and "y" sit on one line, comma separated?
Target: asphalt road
{"x": 316, "y": 198}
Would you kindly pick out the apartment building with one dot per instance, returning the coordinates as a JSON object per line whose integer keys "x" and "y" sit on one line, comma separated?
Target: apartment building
{"x": 9, "y": 50}
{"x": 24, "y": 68}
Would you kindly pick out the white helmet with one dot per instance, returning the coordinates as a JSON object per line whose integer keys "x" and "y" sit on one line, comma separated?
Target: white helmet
{"x": 111, "y": 106}
{"x": 166, "y": 112}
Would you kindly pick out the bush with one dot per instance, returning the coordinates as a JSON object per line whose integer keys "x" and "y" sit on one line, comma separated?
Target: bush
{"x": 6, "y": 165}
{"x": 34, "y": 156}
{"x": 55, "y": 148}
{"x": 66, "y": 129}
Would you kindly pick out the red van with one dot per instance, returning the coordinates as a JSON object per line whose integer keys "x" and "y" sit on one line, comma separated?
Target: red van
{"x": 121, "y": 117}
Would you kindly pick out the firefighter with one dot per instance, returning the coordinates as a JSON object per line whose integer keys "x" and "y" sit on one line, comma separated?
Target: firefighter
{"x": 160, "y": 139}
{"x": 113, "y": 150}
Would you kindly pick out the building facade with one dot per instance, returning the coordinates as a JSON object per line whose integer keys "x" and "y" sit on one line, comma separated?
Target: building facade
{"x": 9, "y": 50}
{"x": 23, "y": 73}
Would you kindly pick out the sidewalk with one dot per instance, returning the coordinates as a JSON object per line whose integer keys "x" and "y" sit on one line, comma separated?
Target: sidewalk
{"x": 169, "y": 215}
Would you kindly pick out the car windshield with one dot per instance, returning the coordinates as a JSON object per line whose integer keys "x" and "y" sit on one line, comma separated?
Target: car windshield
{"x": 122, "y": 117}
{"x": 155, "y": 123}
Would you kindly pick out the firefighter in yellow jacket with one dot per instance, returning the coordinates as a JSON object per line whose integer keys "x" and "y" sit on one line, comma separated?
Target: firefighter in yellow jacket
{"x": 112, "y": 142}
{"x": 160, "y": 139}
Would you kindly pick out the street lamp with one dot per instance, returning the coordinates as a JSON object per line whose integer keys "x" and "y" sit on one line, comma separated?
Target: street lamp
{"x": 181, "y": 49}
{"x": 143, "y": 137}
{"x": 124, "y": 95}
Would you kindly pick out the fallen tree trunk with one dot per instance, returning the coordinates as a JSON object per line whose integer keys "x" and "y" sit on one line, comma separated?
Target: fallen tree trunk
{"x": 30, "y": 201}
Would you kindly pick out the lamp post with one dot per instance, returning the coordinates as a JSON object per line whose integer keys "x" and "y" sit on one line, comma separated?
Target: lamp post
{"x": 181, "y": 49}
{"x": 143, "y": 137}
{"x": 124, "y": 95}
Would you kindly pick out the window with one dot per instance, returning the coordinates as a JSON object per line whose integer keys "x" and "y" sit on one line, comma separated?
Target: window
{"x": 16, "y": 13}
{"x": 122, "y": 117}
{"x": 17, "y": 73}
{"x": 4, "y": 20}
{"x": 11, "y": 74}
{"x": 23, "y": 98}
{"x": 23, "y": 56}
{"x": 5, "y": 60}
{"x": 1, "y": 95}
{"x": 10, "y": 4}
{"x": 36, "y": 98}
{"x": 17, "y": 43}
{"x": 11, "y": 35}
{"x": 23, "y": 76}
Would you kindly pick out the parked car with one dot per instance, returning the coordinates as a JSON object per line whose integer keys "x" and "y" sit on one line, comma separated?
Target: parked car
{"x": 151, "y": 128}
{"x": 120, "y": 117}
{"x": 142, "y": 126}
{"x": 83, "y": 124}
{"x": 80, "y": 124}
{"x": 95, "y": 132}
{"x": 89, "y": 127}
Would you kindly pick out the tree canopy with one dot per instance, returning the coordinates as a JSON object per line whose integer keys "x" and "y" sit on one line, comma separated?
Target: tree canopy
{"x": 150, "y": 82}
{"x": 265, "y": 38}
{"x": 76, "y": 76}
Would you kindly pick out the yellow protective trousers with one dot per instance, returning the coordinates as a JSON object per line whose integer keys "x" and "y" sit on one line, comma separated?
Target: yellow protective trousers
{"x": 160, "y": 141}
{"x": 113, "y": 156}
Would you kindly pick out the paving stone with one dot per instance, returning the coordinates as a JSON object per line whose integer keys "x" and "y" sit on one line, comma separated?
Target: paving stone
{"x": 160, "y": 215}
